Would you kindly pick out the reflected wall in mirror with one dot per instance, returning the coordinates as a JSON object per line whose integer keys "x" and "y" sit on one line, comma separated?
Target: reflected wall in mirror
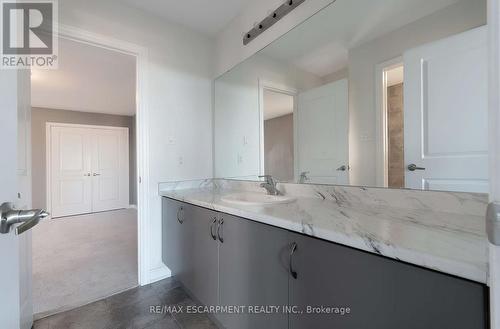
{"x": 388, "y": 93}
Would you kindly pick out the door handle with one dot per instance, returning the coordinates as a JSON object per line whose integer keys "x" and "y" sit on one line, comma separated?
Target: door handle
{"x": 212, "y": 233}
{"x": 342, "y": 168}
{"x": 221, "y": 238}
{"x": 493, "y": 223}
{"x": 413, "y": 167}
{"x": 293, "y": 248}
{"x": 86, "y": 175}
{"x": 10, "y": 216}
{"x": 96, "y": 174}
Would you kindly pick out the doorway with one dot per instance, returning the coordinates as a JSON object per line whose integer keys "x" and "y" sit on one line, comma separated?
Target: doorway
{"x": 84, "y": 171}
{"x": 390, "y": 118}
{"x": 394, "y": 89}
{"x": 278, "y": 135}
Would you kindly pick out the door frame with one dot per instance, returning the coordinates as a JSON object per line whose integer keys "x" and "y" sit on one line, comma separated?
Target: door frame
{"x": 381, "y": 137}
{"x": 142, "y": 134}
{"x": 48, "y": 153}
{"x": 494, "y": 151}
{"x": 282, "y": 89}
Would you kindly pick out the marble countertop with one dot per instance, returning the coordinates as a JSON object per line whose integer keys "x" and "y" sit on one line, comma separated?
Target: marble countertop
{"x": 448, "y": 242}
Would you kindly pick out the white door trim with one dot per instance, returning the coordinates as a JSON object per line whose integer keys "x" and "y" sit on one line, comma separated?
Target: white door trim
{"x": 381, "y": 138}
{"x": 283, "y": 89}
{"x": 494, "y": 151}
{"x": 48, "y": 152}
{"x": 142, "y": 136}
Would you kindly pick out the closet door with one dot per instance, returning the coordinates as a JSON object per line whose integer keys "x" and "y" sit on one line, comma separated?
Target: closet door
{"x": 70, "y": 171}
{"x": 110, "y": 169}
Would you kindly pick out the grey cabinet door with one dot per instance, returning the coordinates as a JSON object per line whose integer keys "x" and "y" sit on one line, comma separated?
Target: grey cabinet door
{"x": 252, "y": 272}
{"x": 329, "y": 275}
{"x": 171, "y": 235}
{"x": 432, "y": 300}
{"x": 200, "y": 255}
{"x": 380, "y": 292}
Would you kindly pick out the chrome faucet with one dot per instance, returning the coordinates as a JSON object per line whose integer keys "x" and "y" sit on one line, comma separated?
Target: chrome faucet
{"x": 270, "y": 185}
{"x": 303, "y": 177}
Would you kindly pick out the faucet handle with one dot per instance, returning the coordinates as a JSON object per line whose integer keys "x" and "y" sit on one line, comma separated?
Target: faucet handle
{"x": 269, "y": 179}
{"x": 270, "y": 184}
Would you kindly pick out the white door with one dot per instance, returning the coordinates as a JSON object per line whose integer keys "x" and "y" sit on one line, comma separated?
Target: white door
{"x": 16, "y": 309}
{"x": 89, "y": 169}
{"x": 446, "y": 119}
{"x": 70, "y": 171}
{"x": 322, "y": 134}
{"x": 110, "y": 169}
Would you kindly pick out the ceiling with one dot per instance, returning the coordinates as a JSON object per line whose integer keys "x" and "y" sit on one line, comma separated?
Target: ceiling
{"x": 207, "y": 17}
{"x": 89, "y": 79}
{"x": 277, "y": 104}
{"x": 344, "y": 25}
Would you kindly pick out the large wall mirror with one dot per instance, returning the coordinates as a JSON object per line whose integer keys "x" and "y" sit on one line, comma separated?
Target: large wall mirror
{"x": 386, "y": 93}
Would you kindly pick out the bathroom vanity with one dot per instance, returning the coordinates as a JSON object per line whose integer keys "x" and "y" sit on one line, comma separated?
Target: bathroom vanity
{"x": 231, "y": 254}
{"x": 380, "y": 116}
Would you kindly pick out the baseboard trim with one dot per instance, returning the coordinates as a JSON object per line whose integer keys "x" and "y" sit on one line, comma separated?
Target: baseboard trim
{"x": 159, "y": 273}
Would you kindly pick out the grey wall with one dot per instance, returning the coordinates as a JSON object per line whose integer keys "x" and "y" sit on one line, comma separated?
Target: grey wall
{"x": 40, "y": 116}
{"x": 363, "y": 60}
{"x": 278, "y": 147}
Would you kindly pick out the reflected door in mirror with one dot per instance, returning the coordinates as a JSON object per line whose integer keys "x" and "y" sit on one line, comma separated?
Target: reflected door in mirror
{"x": 446, "y": 119}
{"x": 322, "y": 134}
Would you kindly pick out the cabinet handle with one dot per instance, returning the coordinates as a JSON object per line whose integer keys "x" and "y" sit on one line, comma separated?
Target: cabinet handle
{"x": 181, "y": 209}
{"x": 212, "y": 233}
{"x": 293, "y": 248}
{"x": 221, "y": 238}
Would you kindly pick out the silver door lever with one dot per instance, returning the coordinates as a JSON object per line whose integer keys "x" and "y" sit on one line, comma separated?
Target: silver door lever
{"x": 493, "y": 223}
{"x": 413, "y": 167}
{"x": 10, "y": 216}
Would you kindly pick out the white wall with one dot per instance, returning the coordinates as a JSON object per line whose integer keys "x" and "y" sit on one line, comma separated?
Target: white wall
{"x": 362, "y": 64}
{"x": 229, "y": 44}
{"x": 236, "y": 112}
{"x": 179, "y": 94}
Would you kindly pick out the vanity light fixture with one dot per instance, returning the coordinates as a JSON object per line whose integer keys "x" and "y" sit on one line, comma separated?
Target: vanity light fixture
{"x": 270, "y": 20}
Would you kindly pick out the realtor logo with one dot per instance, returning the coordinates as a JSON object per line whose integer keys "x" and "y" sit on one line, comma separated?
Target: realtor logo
{"x": 29, "y": 34}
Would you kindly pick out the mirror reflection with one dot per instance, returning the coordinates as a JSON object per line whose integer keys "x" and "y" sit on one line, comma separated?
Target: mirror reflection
{"x": 388, "y": 93}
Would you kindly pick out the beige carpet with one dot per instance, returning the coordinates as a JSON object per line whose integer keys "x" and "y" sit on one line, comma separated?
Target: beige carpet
{"x": 80, "y": 259}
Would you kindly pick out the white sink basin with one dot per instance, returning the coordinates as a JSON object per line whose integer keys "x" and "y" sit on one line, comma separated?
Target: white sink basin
{"x": 256, "y": 199}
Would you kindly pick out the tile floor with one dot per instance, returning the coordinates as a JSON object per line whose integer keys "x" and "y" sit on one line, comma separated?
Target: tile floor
{"x": 131, "y": 310}
{"x": 81, "y": 259}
